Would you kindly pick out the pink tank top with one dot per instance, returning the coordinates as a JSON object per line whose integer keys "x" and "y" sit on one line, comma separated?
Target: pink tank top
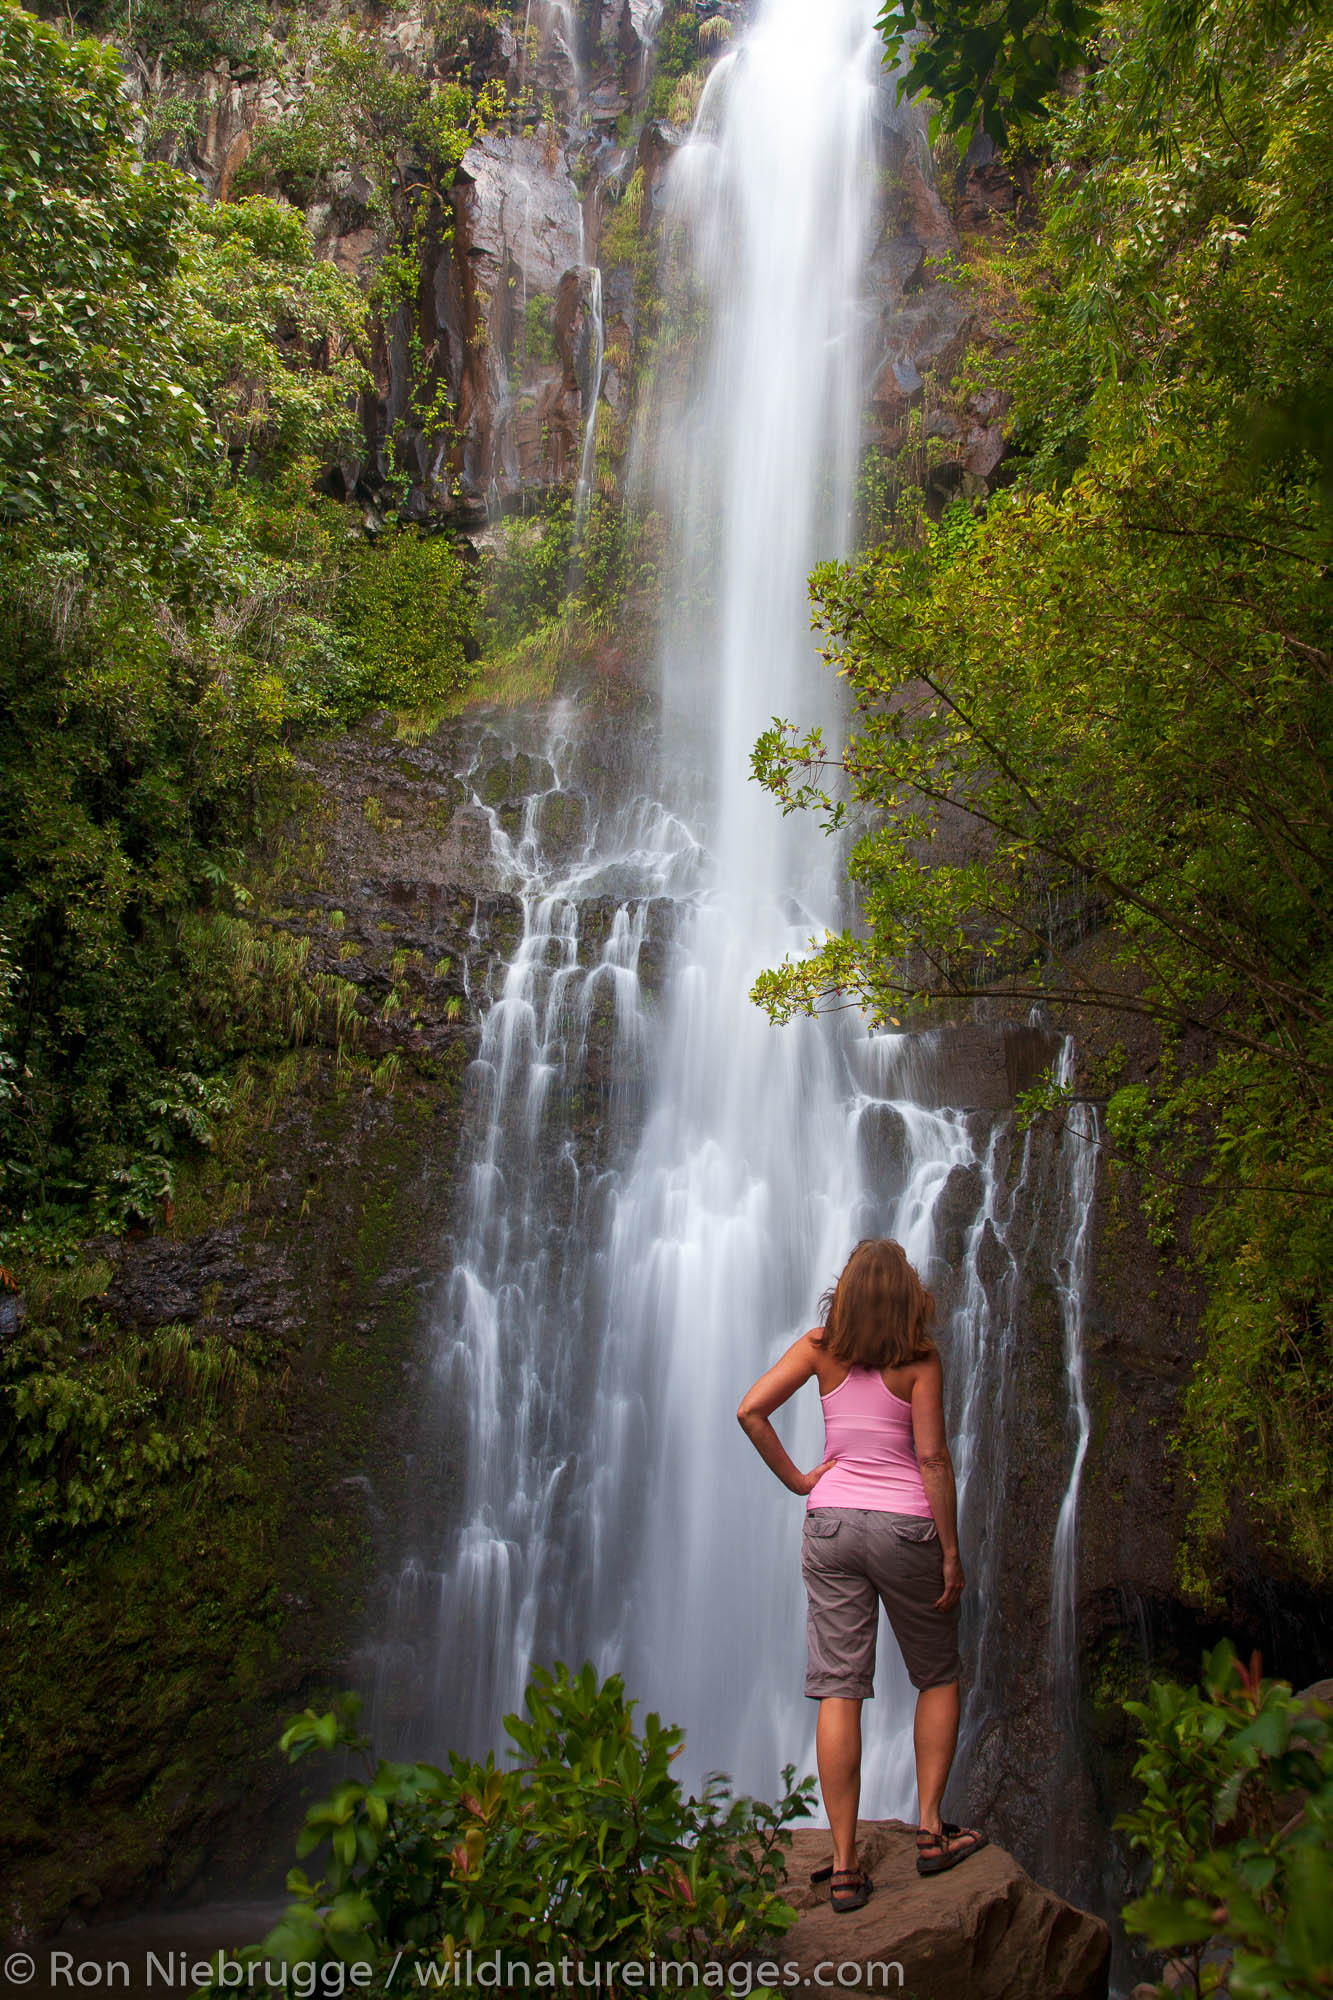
{"x": 870, "y": 1430}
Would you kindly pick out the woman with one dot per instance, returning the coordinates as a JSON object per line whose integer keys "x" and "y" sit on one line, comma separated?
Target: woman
{"x": 881, "y": 1525}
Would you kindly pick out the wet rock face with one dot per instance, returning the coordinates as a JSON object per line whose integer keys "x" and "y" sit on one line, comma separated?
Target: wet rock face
{"x": 989, "y": 193}
{"x": 923, "y": 325}
{"x": 977, "y": 1066}
{"x": 998, "y": 1263}
{"x": 510, "y": 258}
{"x": 520, "y": 229}
{"x": 956, "y": 1210}
{"x": 885, "y": 1151}
{"x": 562, "y": 824}
{"x": 307, "y": 1243}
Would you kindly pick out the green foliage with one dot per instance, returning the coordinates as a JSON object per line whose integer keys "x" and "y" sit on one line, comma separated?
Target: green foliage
{"x": 99, "y": 1426}
{"x": 93, "y": 1436}
{"x": 1007, "y": 65}
{"x": 188, "y": 35}
{"x": 172, "y": 377}
{"x": 1237, "y": 1823}
{"x": 1115, "y": 690}
{"x": 389, "y": 140}
{"x": 88, "y": 359}
{"x": 543, "y": 570}
{"x": 405, "y": 602}
{"x": 539, "y": 330}
{"x": 359, "y": 111}
{"x": 586, "y": 1849}
{"x": 271, "y": 334}
{"x": 174, "y": 601}
{"x": 987, "y": 62}
{"x": 623, "y": 239}
{"x": 1261, "y": 1403}
{"x": 630, "y": 237}
{"x": 677, "y": 51}
{"x": 206, "y": 1587}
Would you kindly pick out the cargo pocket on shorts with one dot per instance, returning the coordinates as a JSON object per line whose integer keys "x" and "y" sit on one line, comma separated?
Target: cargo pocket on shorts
{"x": 820, "y": 1541}
{"x": 915, "y": 1528}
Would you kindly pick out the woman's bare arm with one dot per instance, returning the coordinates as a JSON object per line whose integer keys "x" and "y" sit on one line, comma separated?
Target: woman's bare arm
{"x": 932, "y": 1455}
{"x": 769, "y": 1393}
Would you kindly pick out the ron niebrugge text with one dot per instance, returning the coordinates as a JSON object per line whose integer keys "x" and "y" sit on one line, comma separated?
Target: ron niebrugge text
{"x": 178, "y": 1971}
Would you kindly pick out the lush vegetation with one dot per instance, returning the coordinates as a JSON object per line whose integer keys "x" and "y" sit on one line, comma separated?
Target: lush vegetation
{"x": 1116, "y": 689}
{"x": 987, "y": 63}
{"x": 188, "y": 34}
{"x": 584, "y": 1850}
{"x": 386, "y": 142}
{"x": 180, "y": 1531}
{"x": 1236, "y": 1824}
{"x": 175, "y": 600}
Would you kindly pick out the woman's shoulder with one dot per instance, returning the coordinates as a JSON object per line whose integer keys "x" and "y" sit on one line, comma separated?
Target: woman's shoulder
{"x": 829, "y": 1370}
{"x": 923, "y": 1372}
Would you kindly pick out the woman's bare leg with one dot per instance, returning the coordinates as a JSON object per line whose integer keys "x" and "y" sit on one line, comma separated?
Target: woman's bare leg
{"x": 935, "y": 1736}
{"x": 838, "y": 1754}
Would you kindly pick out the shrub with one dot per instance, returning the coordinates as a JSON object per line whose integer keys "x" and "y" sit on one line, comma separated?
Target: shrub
{"x": 405, "y": 604}
{"x": 677, "y": 52}
{"x": 528, "y": 576}
{"x": 1237, "y": 1821}
{"x": 587, "y": 1849}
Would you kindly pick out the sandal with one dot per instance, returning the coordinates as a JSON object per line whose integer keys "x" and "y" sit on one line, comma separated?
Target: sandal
{"x": 945, "y": 1849}
{"x": 851, "y": 1889}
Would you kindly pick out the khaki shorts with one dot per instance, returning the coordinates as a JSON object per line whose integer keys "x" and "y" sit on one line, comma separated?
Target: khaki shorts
{"x": 853, "y": 1559}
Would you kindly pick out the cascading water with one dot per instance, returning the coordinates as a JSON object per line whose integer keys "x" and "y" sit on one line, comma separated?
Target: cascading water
{"x": 1080, "y": 1146}
{"x": 745, "y": 1194}
{"x": 592, "y": 388}
{"x": 659, "y": 1183}
{"x": 557, "y": 28}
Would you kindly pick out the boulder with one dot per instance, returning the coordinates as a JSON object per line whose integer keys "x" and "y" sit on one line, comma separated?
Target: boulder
{"x": 955, "y": 1211}
{"x": 884, "y": 1146}
{"x": 981, "y": 1931}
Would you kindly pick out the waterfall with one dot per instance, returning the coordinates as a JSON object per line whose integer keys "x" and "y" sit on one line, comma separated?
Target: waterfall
{"x": 744, "y": 1196}
{"x": 1080, "y": 1147}
{"x": 557, "y": 28}
{"x": 658, "y": 1184}
{"x": 591, "y": 387}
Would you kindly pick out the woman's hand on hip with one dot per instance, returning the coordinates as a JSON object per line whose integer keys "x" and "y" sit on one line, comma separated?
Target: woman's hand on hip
{"x": 806, "y": 1482}
{"x": 953, "y": 1583}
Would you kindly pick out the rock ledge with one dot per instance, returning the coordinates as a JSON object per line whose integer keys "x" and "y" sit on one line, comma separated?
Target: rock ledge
{"x": 982, "y": 1931}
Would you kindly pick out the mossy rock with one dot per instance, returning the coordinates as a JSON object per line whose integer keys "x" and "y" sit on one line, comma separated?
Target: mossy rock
{"x": 562, "y": 824}
{"x": 493, "y": 785}
{"x": 529, "y": 775}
